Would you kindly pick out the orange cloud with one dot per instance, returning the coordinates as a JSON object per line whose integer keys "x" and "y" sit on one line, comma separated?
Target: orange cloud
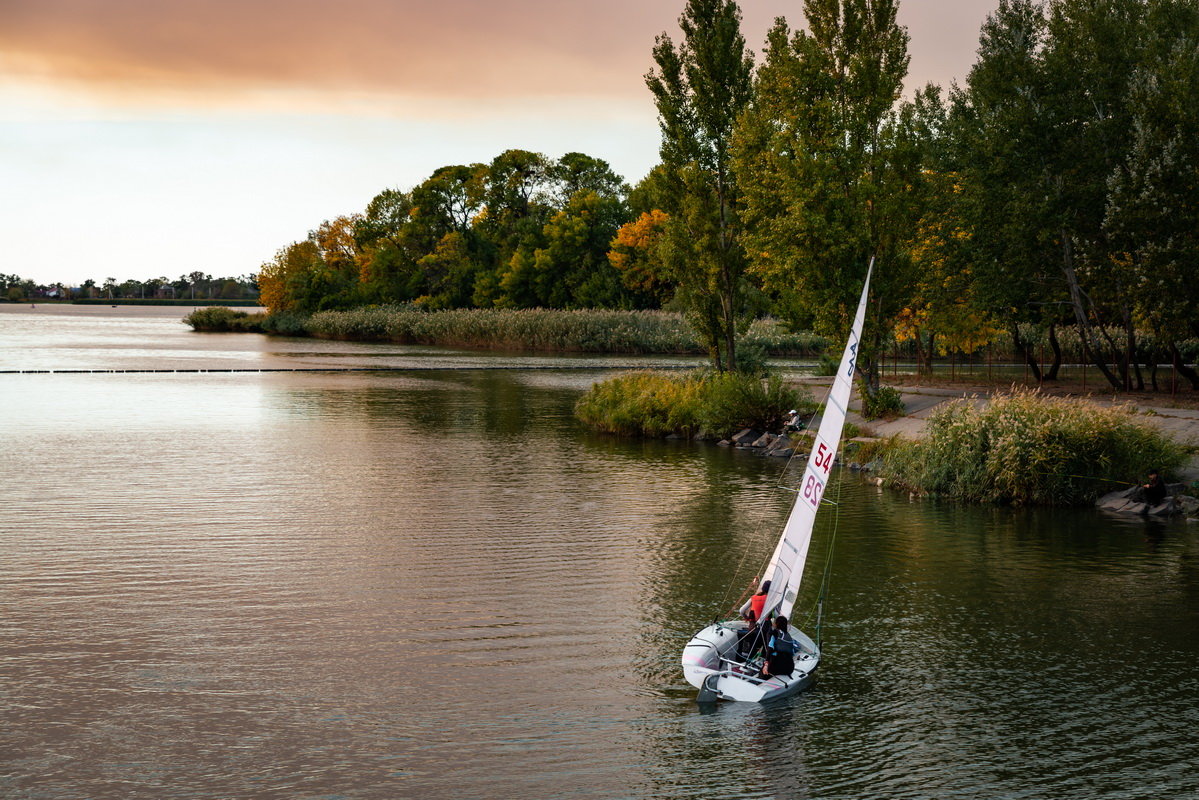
{"x": 441, "y": 48}
{"x": 415, "y": 50}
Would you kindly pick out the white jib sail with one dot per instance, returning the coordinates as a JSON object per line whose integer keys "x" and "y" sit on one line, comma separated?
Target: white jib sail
{"x": 787, "y": 564}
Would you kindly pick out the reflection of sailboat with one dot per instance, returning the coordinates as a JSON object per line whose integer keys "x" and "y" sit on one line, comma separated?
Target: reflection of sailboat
{"x": 710, "y": 660}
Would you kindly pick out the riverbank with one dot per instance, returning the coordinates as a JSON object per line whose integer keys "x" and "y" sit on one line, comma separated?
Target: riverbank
{"x": 1176, "y": 418}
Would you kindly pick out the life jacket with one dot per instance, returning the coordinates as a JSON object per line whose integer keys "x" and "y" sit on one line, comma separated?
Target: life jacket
{"x": 783, "y": 644}
{"x": 756, "y": 604}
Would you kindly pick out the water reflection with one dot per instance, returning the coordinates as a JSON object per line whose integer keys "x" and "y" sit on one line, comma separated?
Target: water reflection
{"x": 438, "y": 585}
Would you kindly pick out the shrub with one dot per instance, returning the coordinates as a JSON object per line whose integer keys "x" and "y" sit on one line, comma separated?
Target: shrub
{"x": 1026, "y": 448}
{"x": 220, "y": 319}
{"x": 649, "y": 403}
{"x": 885, "y": 402}
{"x": 827, "y": 366}
{"x": 285, "y": 323}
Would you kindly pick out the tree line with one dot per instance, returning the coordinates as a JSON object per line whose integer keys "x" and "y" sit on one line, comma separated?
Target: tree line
{"x": 197, "y": 285}
{"x": 1056, "y": 188}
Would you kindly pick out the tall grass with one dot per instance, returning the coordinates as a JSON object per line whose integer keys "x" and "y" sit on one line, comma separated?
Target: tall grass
{"x": 587, "y": 331}
{"x": 1029, "y": 449}
{"x": 649, "y": 403}
{"x": 546, "y": 330}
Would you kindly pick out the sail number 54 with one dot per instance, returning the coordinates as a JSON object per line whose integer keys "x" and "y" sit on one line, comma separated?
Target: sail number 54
{"x": 823, "y": 458}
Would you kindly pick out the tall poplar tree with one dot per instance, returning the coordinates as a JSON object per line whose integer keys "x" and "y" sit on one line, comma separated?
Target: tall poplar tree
{"x": 700, "y": 87}
{"x": 829, "y": 167}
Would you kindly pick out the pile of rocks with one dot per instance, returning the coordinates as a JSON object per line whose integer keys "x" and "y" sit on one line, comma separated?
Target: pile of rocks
{"x": 1132, "y": 501}
{"x": 766, "y": 444}
{"x": 784, "y": 445}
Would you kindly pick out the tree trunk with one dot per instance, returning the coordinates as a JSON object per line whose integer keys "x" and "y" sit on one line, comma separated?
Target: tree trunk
{"x": 1077, "y": 302}
{"x": 1181, "y": 367}
{"x": 1025, "y": 351}
{"x": 1130, "y": 348}
{"x": 924, "y": 359}
{"x": 1056, "y": 347}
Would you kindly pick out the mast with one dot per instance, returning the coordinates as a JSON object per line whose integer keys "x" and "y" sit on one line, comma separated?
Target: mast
{"x": 785, "y": 570}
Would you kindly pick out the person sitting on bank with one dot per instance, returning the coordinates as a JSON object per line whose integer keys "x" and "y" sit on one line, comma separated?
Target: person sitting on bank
{"x": 794, "y": 422}
{"x": 780, "y": 651}
{"x": 1155, "y": 490}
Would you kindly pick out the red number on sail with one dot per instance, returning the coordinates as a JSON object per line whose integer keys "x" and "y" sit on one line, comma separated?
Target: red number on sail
{"x": 812, "y": 490}
{"x": 824, "y": 458}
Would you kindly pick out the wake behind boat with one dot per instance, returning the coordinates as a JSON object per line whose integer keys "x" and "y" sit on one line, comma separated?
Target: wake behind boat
{"x": 717, "y": 660}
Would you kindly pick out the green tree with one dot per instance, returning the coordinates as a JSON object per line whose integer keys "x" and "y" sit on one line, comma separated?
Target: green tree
{"x": 700, "y": 87}
{"x": 1001, "y": 143}
{"x": 573, "y": 270}
{"x": 1152, "y": 217}
{"x": 830, "y": 168}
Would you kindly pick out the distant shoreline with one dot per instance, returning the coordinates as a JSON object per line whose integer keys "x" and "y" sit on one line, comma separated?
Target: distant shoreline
{"x": 132, "y": 301}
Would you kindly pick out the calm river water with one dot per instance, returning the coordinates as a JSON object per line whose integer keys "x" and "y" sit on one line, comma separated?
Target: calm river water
{"x": 435, "y": 584}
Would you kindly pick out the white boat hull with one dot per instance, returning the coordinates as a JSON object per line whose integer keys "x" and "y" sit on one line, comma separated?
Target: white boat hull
{"x": 709, "y": 664}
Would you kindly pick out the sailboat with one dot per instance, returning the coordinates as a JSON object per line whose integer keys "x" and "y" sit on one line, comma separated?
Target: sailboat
{"x": 711, "y": 662}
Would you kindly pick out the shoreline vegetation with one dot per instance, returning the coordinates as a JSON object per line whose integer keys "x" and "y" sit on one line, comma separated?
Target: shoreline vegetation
{"x": 1028, "y": 448}
{"x": 701, "y": 405}
{"x": 545, "y": 330}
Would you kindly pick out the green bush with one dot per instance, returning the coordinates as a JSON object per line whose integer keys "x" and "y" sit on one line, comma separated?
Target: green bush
{"x": 885, "y": 402}
{"x": 285, "y": 323}
{"x": 827, "y": 366}
{"x": 649, "y": 403}
{"x": 219, "y": 319}
{"x": 1029, "y": 449}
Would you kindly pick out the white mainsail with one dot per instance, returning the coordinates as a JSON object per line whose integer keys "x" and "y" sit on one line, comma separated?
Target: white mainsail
{"x": 787, "y": 564}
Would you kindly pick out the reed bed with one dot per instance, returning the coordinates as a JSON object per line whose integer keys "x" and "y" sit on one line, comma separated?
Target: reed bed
{"x": 1026, "y": 448}
{"x": 587, "y": 331}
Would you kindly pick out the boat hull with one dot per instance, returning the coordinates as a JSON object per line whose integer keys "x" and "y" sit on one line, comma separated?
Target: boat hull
{"x": 709, "y": 664}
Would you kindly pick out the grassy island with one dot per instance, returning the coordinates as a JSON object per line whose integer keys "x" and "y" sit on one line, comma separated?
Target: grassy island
{"x": 706, "y": 404}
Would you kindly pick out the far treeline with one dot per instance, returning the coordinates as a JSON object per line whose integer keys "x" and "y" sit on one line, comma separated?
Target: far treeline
{"x": 194, "y": 286}
{"x": 1056, "y": 191}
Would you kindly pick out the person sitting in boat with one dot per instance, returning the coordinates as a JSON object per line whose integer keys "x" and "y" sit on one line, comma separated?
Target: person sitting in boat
{"x": 780, "y": 651}
{"x": 747, "y": 635}
{"x": 757, "y": 603}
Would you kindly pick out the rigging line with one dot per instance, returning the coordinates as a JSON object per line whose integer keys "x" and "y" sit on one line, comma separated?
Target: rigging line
{"x": 759, "y": 523}
{"x": 825, "y": 579}
{"x": 807, "y": 427}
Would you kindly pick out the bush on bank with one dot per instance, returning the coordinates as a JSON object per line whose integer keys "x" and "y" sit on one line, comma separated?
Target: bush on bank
{"x": 652, "y": 403}
{"x": 218, "y": 319}
{"x": 585, "y": 331}
{"x": 1029, "y": 449}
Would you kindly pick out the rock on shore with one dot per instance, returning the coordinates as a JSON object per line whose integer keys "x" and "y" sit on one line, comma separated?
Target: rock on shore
{"x": 1132, "y": 501}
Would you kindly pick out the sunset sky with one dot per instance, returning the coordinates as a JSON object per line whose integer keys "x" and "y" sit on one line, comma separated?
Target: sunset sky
{"x": 145, "y": 138}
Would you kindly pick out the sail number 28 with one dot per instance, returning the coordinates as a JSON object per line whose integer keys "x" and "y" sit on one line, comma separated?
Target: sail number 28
{"x": 813, "y": 489}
